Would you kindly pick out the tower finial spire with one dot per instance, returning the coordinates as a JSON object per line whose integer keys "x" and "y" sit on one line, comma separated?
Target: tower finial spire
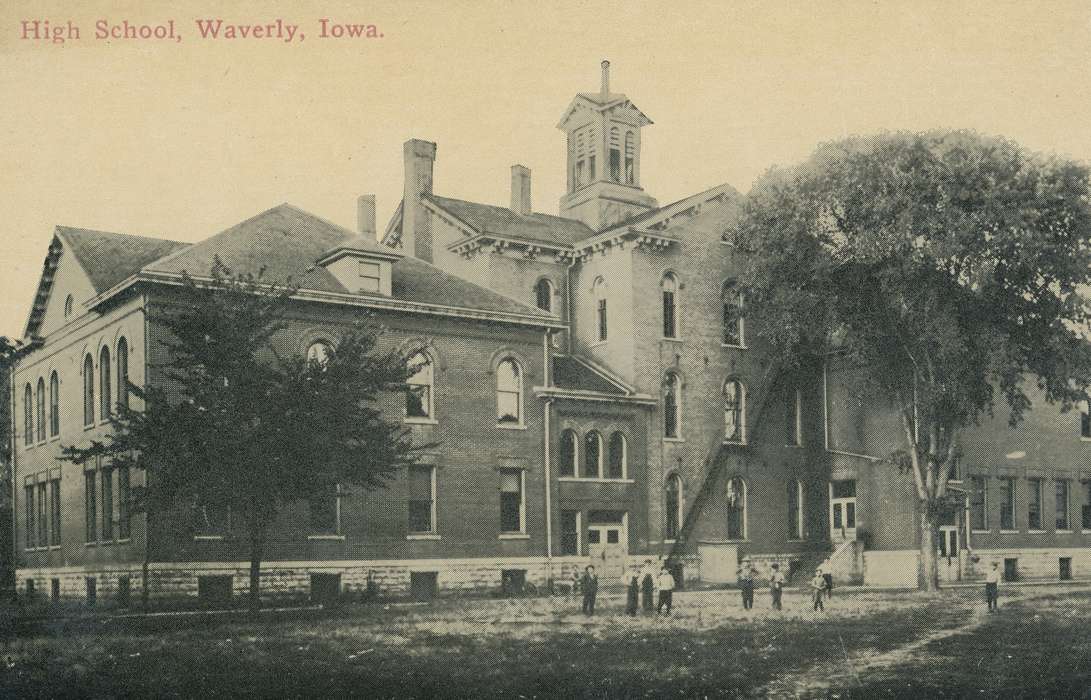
{"x": 605, "y": 80}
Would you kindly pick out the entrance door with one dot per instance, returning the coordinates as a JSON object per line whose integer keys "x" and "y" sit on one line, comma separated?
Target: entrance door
{"x": 843, "y": 510}
{"x": 608, "y": 544}
{"x": 948, "y": 564}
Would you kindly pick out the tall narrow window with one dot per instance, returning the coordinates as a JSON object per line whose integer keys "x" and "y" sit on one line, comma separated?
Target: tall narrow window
{"x": 570, "y": 532}
{"x": 598, "y": 293}
{"x": 979, "y": 506}
{"x": 509, "y": 393}
{"x": 422, "y": 499}
{"x": 54, "y": 405}
{"x": 733, "y": 330}
{"x": 795, "y": 510}
{"x": 1060, "y": 508}
{"x": 630, "y": 159}
{"x": 40, "y": 405}
{"x": 1007, "y": 504}
{"x": 567, "y": 454}
{"x": 615, "y": 154}
{"x": 90, "y": 498}
{"x": 105, "y": 407}
{"x": 68, "y": 306}
{"x": 88, "y": 390}
{"x": 123, "y": 526}
{"x": 107, "y": 502}
{"x": 28, "y": 509}
{"x": 55, "y": 511}
{"x": 793, "y": 417}
{"x": 418, "y": 390}
{"x": 736, "y": 509}
{"x": 673, "y": 491}
{"x": 734, "y": 411}
{"x": 1034, "y": 504}
{"x": 580, "y": 177}
{"x": 28, "y": 415}
{"x": 670, "y": 306}
{"x": 618, "y": 456}
{"x": 672, "y": 413}
{"x": 512, "y": 507}
{"x": 592, "y": 455}
{"x": 123, "y": 372}
{"x": 43, "y": 514}
{"x": 543, "y": 295}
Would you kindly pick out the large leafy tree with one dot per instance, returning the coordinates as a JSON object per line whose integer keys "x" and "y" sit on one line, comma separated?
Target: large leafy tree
{"x": 235, "y": 424}
{"x": 948, "y": 265}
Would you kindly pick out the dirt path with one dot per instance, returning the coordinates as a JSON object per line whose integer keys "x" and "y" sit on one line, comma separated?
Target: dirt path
{"x": 847, "y": 669}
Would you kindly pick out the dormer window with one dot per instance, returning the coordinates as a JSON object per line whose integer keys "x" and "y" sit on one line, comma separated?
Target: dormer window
{"x": 370, "y": 278}
{"x": 362, "y": 266}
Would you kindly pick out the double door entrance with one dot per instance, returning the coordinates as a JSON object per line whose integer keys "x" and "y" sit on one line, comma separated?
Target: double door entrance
{"x": 608, "y": 543}
{"x": 843, "y": 510}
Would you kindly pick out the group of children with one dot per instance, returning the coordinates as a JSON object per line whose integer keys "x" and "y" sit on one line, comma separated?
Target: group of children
{"x": 821, "y": 586}
{"x": 640, "y": 587}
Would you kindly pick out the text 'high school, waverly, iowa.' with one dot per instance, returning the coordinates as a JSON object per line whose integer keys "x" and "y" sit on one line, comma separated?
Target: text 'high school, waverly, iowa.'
{"x": 208, "y": 29}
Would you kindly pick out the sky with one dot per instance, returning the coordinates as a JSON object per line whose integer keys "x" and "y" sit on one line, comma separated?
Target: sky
{"x": 182, "y": 139}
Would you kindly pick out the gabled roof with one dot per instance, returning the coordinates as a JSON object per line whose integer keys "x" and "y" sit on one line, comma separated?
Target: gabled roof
{"x": 661, "y": 217}
{"x": 569, "y": 372}
{"x": 487, "y": 218}
{"x": 601, "y": 103}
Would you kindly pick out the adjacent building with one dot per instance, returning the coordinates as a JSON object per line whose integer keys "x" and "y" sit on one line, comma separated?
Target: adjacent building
{"x": 590, "y": 381}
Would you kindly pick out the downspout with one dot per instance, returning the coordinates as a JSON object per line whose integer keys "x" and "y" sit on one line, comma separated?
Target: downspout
{"x": 14, "y": 490}
{"x": 546, "y": 340}
{"x": 146, "y": 564}
{"x": 568, "y": 304}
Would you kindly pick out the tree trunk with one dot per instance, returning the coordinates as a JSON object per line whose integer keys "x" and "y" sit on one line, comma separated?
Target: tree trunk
{"x": 929, "y": 568}
{"x": 257, "y": 542}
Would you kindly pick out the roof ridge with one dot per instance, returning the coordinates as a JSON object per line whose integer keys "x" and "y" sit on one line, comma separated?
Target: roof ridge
{"x": 65, "y": 229}
{"x": 565, "y": 219}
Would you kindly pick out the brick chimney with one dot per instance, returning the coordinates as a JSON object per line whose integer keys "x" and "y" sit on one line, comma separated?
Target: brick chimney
{"x": 416, "y": 220}
{"x": 365, "y": 215}
{"x": 520, "y": 189}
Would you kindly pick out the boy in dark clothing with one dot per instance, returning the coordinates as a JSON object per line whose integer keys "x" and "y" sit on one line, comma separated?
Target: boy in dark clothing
{"x": 776, "y": 586}
{"x": 746, "y": 585}
{"x": 589, "y": 584}
{"x": 818, "y": 588}
{"x": 647, "y": 586}
{"x": 828, "y": 578}
{"x": 632, "y": 593}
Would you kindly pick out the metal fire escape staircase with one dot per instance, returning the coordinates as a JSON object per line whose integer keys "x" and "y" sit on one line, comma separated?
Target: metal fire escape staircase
{"x": 715, "y": 459}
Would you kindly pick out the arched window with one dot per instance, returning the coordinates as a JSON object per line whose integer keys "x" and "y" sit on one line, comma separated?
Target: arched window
{"x": 672, "y": 406}
{"x": 88, "y": 390}
{"x": 734, "y": 324}
{"x": 40, "y": 413}
{"x": 592, "y": 455}
{"x": 418, "y": 390}
{"x": 615, "y": 154}
{"x": 105, "y": 407}
{"x": 670, "y": 306}
{"x": 54, "y": 405}
{"x": 598, "y": 293}
{"x": 736, "y": 509}
{"x": 123, "y": 372}
{"x": 68, "y": 306}
{"x": 734, "y": 411}
{"x": 319, "y": 352}
{"x": 28, "y": 415}
{"x": 543, "y": 295}
{"x": 567, "y": 454}
{"x": 795, "y": 510}
{"x": 673, "y": 491}
{"x": 618, "y": 456}
{"x": 509, "y": 393}
{"x": 630, "y": 158}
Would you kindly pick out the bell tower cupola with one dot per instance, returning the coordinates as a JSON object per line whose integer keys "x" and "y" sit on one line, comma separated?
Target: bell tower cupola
{"x": 603, "y": 130}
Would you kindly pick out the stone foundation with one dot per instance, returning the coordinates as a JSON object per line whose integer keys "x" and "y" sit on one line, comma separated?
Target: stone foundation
{"x": 898, "y": 568}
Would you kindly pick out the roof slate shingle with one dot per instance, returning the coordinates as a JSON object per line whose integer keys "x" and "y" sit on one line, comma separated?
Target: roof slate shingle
{"x": 570, "y": 373}
{"x": 487, "y": 218}
{"x": 110, "y": 258}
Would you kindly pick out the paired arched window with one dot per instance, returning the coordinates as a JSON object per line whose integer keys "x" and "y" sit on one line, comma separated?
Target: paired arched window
{"x": 736, "y": 508}
{"x": 543, "y": 295}
{"x": 672, "y": 406}
{"x": 54, "y": 405}
{"x": 630, "y": 158}
{"x": 123, "y": 372}
{"x": 619, "y": 457}
{"x": 568, "y": 452}
{"x": 592, "y": 455}
{"x": 28, "y": 415}
{"x": 40, "y": 413}
{"x": 734, "y": 411}
{"x": 673, "y": 491}
{"x": 795, "y": 510}
{"x": 509, "y": 392}
{"x": 105, "y": 407}
{"x": 419, "y": 394}
{"x": 670, "y": 306}
{"x": 319, "y": 352}
{"x": 88, "y": 389}
{"x": 734, "y": 324}
{"x": 598, "y": 293}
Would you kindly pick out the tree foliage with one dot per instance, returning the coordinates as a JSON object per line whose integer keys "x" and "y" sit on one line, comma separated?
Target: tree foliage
{"x": 951, "y": 266}
{"x": 236, "y": 424}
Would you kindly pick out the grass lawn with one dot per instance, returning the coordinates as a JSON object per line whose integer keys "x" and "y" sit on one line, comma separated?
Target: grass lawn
{"x": 545, "y": 648}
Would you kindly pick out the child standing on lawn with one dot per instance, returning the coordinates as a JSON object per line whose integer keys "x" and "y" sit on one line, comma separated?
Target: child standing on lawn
{"x": 992, "y": 584}
{"x": 631, "y": 579}
{"x": 776, "y": 586}
{"x": 589, "y": 584}
{"x": 666, "y": 589}
{"x": 647, "y": 585}
{"x": 746, "y": 585}
{"x": 818, "y": 589}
